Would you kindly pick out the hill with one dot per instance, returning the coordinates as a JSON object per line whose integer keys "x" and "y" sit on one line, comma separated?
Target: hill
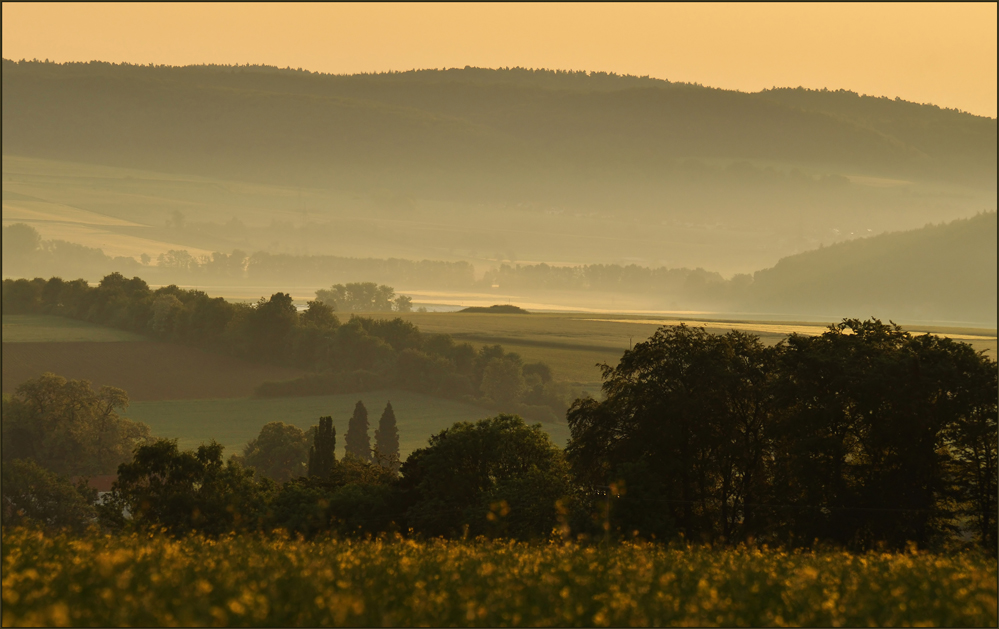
{"x": 943, "y": 272}
{"x": 495, "y": 309}
{"x": 240, "y": 121}
{"x": 484, "y": 165}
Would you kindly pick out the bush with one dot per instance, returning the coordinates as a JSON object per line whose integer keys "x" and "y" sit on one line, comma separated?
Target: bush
{"x": 32, "y": 495}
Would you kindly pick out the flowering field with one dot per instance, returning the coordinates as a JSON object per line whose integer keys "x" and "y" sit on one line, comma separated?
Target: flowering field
{"x": 155, "y": 580}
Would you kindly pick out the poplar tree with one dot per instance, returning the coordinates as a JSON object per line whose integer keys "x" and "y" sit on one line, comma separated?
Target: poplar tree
{"x": 387, "y": 440}
{"x": 322, "y": 454}
{"x": 358, "y": 441}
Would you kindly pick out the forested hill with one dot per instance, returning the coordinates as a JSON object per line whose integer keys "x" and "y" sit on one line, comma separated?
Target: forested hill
{"x": 512, "y": 130}
{"x": 943, "y": 272}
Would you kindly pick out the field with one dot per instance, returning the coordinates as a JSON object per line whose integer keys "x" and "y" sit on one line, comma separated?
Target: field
{"x": 147, "y": 370}
{"x": 251, "y": 581}
{"x": 572, "y": 343}
{"x": 184, "y": 393}
{"x": 233, "y": 422}
{"x": 46, "y": 329}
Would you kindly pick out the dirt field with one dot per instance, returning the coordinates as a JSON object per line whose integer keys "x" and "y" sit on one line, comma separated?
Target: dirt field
{"x": 145, "y": 369}
{"x": 233, "y": 422}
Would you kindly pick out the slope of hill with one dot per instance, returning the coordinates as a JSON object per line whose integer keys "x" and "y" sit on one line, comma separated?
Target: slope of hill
{"x": 245, "y": 120}
{"x": 941, "y": 272}
{"x": 488, "y": 165}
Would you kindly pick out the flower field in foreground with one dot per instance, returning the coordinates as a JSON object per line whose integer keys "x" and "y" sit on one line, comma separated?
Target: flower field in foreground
{"x": 157, "y": 580}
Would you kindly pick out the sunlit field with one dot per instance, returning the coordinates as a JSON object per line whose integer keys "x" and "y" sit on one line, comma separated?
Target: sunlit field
{"x": 573, "y": 343}
{"x": 155, "y": 580}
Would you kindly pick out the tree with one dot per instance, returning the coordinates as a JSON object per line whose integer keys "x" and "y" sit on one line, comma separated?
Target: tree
{"x": 497, "y": 476}
{"x": 32, "y": 494}
{"x": 322, "y": 455}
{"x": 503, "y": 380}
{"x": 19, "y": 242}
{"x": 185, "y": 491}
{"x": 974, "y": 443}
{"x": 387, "y": 440}
{"x": 270, "y": 325}
{"x": 862, "y": 436}
{"x": 280, "y": 452}
{"x": 358, "y": 297}
{"x": 403, "y": 303}
{"x": 68, "y": 428}
{"x": 357, "y": 440}
{"x": 319, "y": 315}
{"x": 684, "y": 425}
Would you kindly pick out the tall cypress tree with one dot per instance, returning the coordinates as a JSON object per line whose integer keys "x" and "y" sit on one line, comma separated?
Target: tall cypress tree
{"x": 387, "y": 440}
{"x": 322, "y": 454}
{"x": 358, "y": 441}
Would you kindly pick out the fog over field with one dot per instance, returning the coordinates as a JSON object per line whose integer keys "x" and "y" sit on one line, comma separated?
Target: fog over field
{"x": 449, "y": 180}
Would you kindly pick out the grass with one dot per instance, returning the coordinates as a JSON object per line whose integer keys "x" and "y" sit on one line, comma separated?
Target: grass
{"x": 153, "y": 580}
{"x": 234, "y": 422}
{"x": 45, "y": 328}
{"x": 146, "y": 370}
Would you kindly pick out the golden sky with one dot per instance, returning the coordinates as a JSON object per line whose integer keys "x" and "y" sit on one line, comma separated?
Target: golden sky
{"x": 934, "y": 53}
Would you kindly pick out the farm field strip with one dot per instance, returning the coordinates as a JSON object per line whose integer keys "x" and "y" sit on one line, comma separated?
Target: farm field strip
{"x": 234, "y": 422}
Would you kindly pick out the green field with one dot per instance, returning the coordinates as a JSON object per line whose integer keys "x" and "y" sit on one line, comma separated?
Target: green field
{"x": 233, "y": 422}
{"x": 157, "y": 580}
{"x": 48, "y": 329}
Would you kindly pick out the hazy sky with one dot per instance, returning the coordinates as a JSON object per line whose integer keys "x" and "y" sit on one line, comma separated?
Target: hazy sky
{"x": 938, "y": 53}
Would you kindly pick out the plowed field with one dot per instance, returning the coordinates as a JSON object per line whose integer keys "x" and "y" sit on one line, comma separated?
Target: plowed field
{"x": 147, "y": 370}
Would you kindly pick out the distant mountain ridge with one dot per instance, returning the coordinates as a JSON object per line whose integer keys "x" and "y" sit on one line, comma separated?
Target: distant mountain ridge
{"x": 283, "y": 125}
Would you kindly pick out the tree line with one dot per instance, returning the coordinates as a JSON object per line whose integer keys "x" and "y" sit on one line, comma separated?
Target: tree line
{"x": 361, "y": 354}
{"x": 864, "y": 437}
{"x": 944, "y": 272}
{"x": 25, "y": 253}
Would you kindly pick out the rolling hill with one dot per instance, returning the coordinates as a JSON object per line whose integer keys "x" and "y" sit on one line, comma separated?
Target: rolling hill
{"x": 943, "y": 272}
{"x": 485, "y": 165}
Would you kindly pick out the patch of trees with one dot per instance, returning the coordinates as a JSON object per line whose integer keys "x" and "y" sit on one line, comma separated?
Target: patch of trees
{"x": 26, "y": 254}
{"x": 345, "y": 357}
{"x": 364, "y": 297}
{"x": 31, "y": 495}
{"x": 495, "y": 477}
{"x": 864, "y": 435}
{"x": 67, "y": 427}
{"x": 695, "y": 285}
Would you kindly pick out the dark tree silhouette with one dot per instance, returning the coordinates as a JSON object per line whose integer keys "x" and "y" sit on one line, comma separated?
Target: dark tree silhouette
{"x": 865, "y": 435}
{"x": 387, "y": 440}
{"x": 322, "y": 455}
{"x": 358, "y": 441}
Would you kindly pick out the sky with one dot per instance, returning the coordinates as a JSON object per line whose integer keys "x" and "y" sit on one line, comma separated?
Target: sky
{"x": 943, "y": 54}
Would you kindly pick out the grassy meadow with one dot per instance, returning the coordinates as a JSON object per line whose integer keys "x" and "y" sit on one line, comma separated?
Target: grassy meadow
{"x": 154, "y": 580}
{"x": 235, "y": 421}
{"x": 30, "y": 328}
